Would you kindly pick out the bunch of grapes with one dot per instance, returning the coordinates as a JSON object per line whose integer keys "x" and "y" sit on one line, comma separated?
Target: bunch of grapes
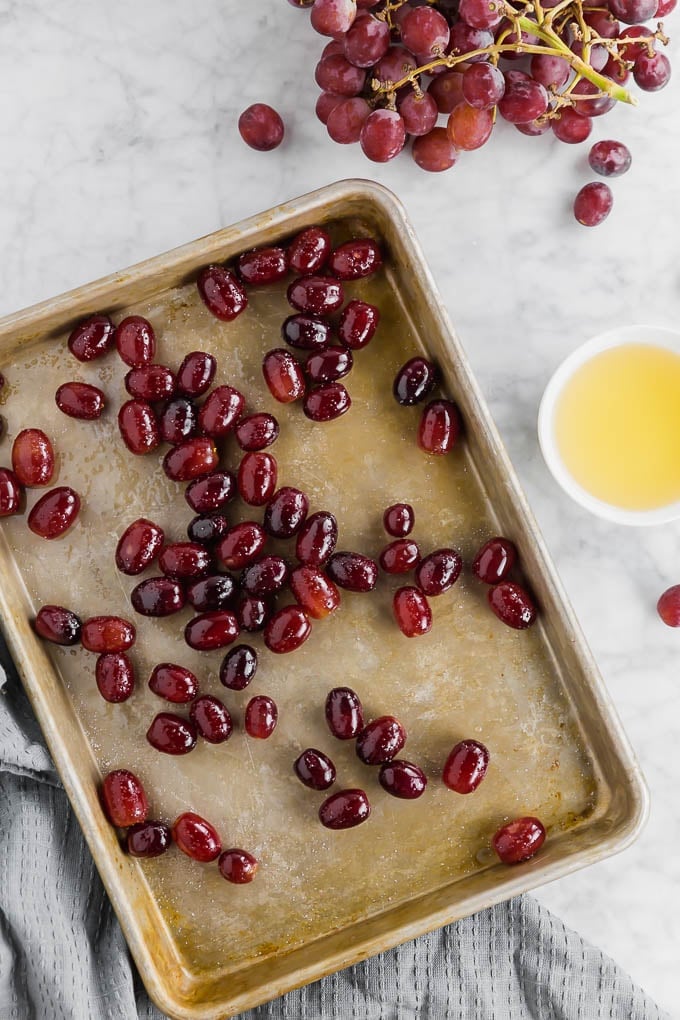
{"x": 393, "y": 67}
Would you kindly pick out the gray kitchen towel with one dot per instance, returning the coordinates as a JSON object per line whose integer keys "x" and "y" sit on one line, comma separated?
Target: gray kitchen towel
{"x": 63, "y": 956}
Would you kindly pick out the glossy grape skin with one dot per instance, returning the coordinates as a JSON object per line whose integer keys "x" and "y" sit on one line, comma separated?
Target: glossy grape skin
{"x": 136, "y": 341}
{"x": 286, "y": 512}
{"x": 464, "y": 39}
{"x": 333, "y": 17}
{"x": 652, "y": 73}
{"x": 287, "y": 630}
{"x": 400, "y": 556}
{"x": 315, "y": 592}
{"x": 124, "y": 799}
{"x": 211, "y": 718}
{"x": 257, "y": 476}
{"x": 283, "y": 375}
{"x": 414, "y": 381}
{"x": 195, "y": 374}
{"x": 317, "y": 295}
{"x": 190, "y": 459}
{"x": 184, "y": 560}
{"x": 358, "y": 323}
{"x": 534, "y": 128}
{"x": 196, "y": 837}
{"x": 173, "y": 683}
{"x": 466, "y": 766}
{"x": 380, "y": 740}
{"x": 54, "y": 513}
{"x": 419, "y": 113}
{"x": 571, "y": 127}
{"x": 262, "y": 266}
{"x": 205, "y": 529}
{"x": 238, "y": 668}
{"x": 211, "y": 593}
{"x": 33, "y": 457}
{"x": 346, "y": 120}
{"x": 151, "y": 382}
{"x": 221, "y": 410}
{"x": 353, "y": 571}
{"x": 115, "y": 677}
{"x": 483, "y": 86}
{"x": 261, "y": 127}
{"x": 439, "y": 427}
{"x": 253, "y": 613}
{"x": 512, "y": 605}
{"x": 345, "y": 809}
{"x": 344, "y": 713}
{"x": 469, "y": 128}
{"x": 148, "y": 839}
{"x": 519, "y": 840}
{"x": 80, "y": 400}
{"x": 355, "y": 259}
{"x": 402, "y": 779}
{"x": 439, "y": 571}
{"x": 396, "y": 63}
{"x": 412, "y": 612}
{"x": 138, "y": 427}
{"x": 309, "y": 251}
{"x": 367, "y": 41}
{"x": 213, "y": 492}
{"x": 494, "y": 561}
{"x": 480, "y": 13}
{"x": 383, "y": 135}
{"x": 524, "y": 100}
{"x": 668, "y": 606}
{"x": 266, "y": 576}
{"x": 261, "y": 717}
{"x": 399, "y": 520}
{"x": 595, "y": 107}
{"x": 57, "y": 624}
{"x": 256, "y": 432}
{"x": 242, "y": 545}
{"x": 237, "y": 866}
{"x": 314, "y": 769}
{"x": 211, "y": 630}
{"x": 593, "y": 204}
{"x": 91, "y": 338}
{"x": 107, "y": 634}
{"x": 178, "y": 420}
{"x": 326, "y": 403}
{"x": 11, "y": 491}
{"x": 222, "y": 292}
{"x": 329, "y": 365}
{"x": 170, "y": 734}
{"x": 317, "y": 539}
{"x": 306, "y": 332}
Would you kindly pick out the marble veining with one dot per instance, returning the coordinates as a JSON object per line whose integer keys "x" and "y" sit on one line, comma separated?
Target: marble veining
{"x": 118, "y": 141}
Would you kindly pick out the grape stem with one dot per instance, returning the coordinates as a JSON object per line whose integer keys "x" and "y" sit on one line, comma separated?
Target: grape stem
{"x": 541, "y": 28}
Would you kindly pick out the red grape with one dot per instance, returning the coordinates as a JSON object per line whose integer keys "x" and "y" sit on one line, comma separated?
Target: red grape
{"x": 425, "y": 32}
{"x": 480, "y": 13}
{"x": 333, "y": 17}
{"x": 652, "y": 73}
{"x": 396, "y": 63}
{"x": 325, "y": 104}
{"x": 483, "y": 86}
{"x": 591, "y": 107}
{"x": 629, "y": 46}
{"x": 383, "y": 135}
{"x": 261, "y": 127}
{"x": 570, "y": 127}
{"x": 593, "y": 204}
{"x": 447, "y": 90}
{"x": 617, "y": 70}
{"x": 632, "y": 11}
{"x": 367, "y": 41}
{"x": 549, "y": 71}
{"x": 603, "y": 23}
{"x": 469, "y": 128}
{"x": 534, "y": 127}
{"x": 665, "y": 7}
{"x": 524, "y": 99}
{"x": 434, "y": 151}
{"x": 419, "y": 113}
{"x": 336, "y": 75}
{"x": 609, "y": 158}
{"x": 668, "y": 606}
{"x": 346, "y": 120}
{"x": 465, "y": 39}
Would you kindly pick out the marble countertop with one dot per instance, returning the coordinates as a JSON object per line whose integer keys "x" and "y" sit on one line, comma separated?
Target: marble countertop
{"x": 118, "y": 140}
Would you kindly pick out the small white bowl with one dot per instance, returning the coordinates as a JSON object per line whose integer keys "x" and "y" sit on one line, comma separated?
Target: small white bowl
{"x": 657, "y": 336}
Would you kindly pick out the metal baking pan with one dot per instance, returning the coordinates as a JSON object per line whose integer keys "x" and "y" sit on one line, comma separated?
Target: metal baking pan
{"x": 321, "y": 900}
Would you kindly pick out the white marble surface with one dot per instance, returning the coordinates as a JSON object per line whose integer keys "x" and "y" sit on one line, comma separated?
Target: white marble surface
{"x": 118, "y": 140}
